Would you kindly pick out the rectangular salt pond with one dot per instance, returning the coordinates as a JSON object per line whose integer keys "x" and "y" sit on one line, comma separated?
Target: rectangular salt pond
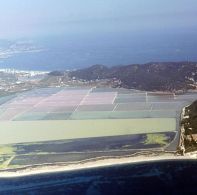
{"x": 33, "y": 131}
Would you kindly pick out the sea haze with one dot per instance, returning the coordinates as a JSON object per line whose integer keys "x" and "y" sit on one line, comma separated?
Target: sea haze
{"x": 71, "y": 51}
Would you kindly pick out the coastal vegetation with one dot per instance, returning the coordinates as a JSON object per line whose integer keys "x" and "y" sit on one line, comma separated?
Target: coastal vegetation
{"x": 189, "y": 128}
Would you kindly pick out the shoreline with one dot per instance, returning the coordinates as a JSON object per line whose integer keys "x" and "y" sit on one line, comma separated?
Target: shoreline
{"x": 43, "y": 169}
{"x": 40, "y": 169}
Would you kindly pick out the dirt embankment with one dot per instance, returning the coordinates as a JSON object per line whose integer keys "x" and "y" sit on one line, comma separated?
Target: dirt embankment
{"x": 181, "y": 146}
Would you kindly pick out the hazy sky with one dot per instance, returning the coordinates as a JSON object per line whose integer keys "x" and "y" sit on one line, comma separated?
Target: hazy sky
{"x": 23, "y": 18}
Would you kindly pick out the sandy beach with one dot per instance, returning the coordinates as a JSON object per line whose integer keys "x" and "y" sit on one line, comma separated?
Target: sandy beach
{"x": 28, "y": 171}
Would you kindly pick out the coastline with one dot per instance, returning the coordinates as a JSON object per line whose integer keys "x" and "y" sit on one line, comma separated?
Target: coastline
{"x": 94, "y": 163}
{"x": 44, "y": 169}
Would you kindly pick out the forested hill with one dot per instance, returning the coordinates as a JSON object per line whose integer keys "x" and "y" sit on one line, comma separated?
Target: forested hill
{"x": 162, "y": 76}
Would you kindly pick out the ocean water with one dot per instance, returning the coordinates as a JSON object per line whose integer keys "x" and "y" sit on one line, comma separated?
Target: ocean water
{"x": 73, "y": 51}
{"x": 165, "y": 177}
